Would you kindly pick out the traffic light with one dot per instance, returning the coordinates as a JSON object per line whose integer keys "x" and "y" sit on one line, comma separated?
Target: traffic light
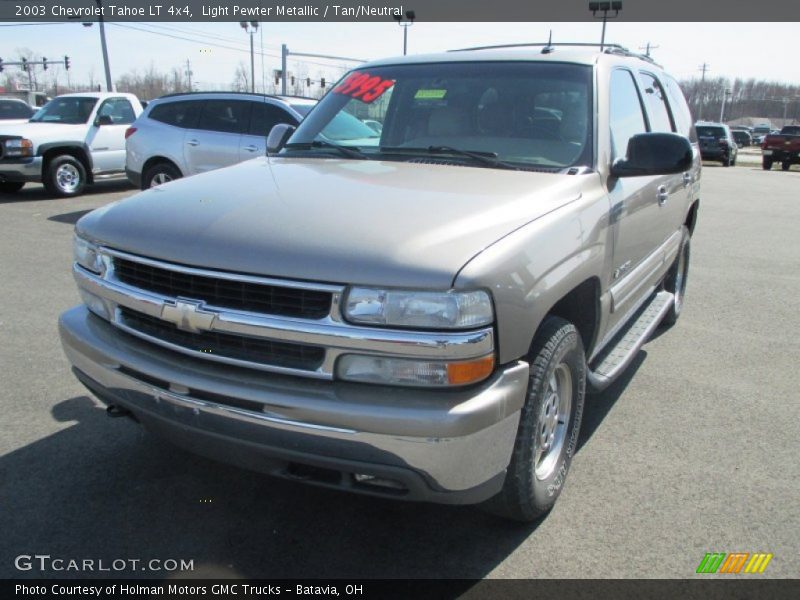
{"x": 44, "y": 63}
{"x": 1, "y": 65}
{"x": 308, "y": 79}
{"x": 292, "y": 79}
{"x": 24, "y": 64}
{"x": 66, "y": 63}
{"x": 278, "y": 75}
{"x": 322, "y": 82}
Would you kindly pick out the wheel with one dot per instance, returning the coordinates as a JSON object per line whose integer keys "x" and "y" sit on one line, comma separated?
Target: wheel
{"x": 159, "y": 173}
{"x": 785, "y": 165}
{"x": 766, "y": 164}
{"x": 676, "y": 279}
{"x": 726, "y": 162}
{"x": 550, "y": 420}
{"x": 65, "y": 176}
{"x": 733, "y": 162}
{"x": 11, "y": 187}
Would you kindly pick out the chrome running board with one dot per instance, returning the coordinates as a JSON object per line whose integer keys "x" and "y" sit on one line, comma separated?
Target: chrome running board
{"x": 620, "y": 352}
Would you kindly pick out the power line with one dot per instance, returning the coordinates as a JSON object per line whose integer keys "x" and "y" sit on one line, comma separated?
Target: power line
{"x": 215, "y": 44}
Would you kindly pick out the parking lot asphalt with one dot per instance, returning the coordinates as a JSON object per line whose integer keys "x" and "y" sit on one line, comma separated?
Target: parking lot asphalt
{"x": 694, "y": 450}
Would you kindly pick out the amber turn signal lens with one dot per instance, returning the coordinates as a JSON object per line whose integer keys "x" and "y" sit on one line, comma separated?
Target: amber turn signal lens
{"x": 471, "y": 371}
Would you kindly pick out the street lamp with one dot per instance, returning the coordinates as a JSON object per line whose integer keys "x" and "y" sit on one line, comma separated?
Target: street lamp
{"x": 725, "y": 96}
{"x": 405, "y": 21}
{"x": 106, "y": 66}
{"x": 251, "y": 27}
{"x": 605, "y": 7}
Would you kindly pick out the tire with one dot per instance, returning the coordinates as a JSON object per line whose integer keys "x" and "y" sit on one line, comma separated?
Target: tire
{"x": 726, "y": 162}
{"x": 65, "y": 176}
{"x": 557, "y": 386}
{"x": 11, "y": 187}
{"x": 676, "y": 279}
{"x": 159, "y": 173}
{"x": 733, "y": 162}
{"x": 766, "y": 164}
{"x": 786, "y": 165}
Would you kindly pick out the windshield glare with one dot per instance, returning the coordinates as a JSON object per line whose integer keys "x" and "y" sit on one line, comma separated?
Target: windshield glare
{"x": 528, "y": 114}
{"x": 69, "y": 110}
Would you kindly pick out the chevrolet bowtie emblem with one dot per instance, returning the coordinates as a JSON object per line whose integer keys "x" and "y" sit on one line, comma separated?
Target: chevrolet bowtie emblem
{"x": 188, "y": 315}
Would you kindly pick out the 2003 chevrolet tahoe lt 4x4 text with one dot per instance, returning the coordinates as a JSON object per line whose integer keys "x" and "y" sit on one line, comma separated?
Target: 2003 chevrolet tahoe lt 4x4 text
{"x": 415, "y": 313}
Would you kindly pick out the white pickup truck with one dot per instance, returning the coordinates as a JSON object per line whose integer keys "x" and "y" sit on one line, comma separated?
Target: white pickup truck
{"x": 73, "y": 140}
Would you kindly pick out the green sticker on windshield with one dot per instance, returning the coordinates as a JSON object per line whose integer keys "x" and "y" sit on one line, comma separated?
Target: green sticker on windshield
{"x": 430, "y": 94}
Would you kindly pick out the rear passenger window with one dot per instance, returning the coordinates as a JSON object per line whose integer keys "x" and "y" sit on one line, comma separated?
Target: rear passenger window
{"x": 225, "y": 116}
{"x": 180, "y": 114}
{"x": 656, "y": 101}
{"x": 263, "y": 117}
{"x": 680, "y": 109}
{"x": 625, "y": 113}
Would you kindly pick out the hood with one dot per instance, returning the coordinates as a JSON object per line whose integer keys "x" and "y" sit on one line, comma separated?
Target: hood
{"x": 5, "y": 122}
{"x": 331, "y": 220}
{"x": 41, "y": 133}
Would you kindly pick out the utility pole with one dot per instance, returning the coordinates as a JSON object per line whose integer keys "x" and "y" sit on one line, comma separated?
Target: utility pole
{"x": 251, "y": 27}
{"x": 727, "y": 92}
{"x": 647, "y": 48}
{"x": 189, "y": 74}
{"x": 703, "y": 68}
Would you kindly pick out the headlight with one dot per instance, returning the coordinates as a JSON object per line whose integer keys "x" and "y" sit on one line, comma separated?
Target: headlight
{"x": 419, "y": 309}
{"x": 412, "y": 372}
{"x": 18, "y": 148}
{"x": 86, "y": 255}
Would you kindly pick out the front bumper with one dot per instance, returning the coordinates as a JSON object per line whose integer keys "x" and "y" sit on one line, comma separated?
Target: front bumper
{"x": 450, "y": 446}
{"x": 21, "y": 170}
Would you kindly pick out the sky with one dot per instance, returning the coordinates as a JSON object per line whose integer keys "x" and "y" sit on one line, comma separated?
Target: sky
{"x": 216, "y": 49}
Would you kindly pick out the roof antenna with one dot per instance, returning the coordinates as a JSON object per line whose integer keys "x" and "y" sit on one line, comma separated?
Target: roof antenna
{"x": 549, "y": 48}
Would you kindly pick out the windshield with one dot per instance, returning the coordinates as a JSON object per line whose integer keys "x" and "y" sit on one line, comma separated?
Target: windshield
{"x": 69, "y": 110}
{"x": 524, "y": 114}
{"x": 11, "y": 109}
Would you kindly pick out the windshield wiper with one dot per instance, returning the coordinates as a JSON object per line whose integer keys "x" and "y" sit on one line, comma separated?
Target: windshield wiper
{"x": 487, "y": 158}
{"x": 348, "y": 151}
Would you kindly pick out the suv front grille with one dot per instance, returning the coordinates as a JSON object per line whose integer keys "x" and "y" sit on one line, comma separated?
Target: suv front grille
{"x": 225, "y": 293}
{"x": 226, "y": 345}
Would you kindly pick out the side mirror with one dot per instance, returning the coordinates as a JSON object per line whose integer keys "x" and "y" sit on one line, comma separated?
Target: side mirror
{"x": 103, "y": 120}
{"x": 654, "y": 154}
{"x": 278, "y": 136}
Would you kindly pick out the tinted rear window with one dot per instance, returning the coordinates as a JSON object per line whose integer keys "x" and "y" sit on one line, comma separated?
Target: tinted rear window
{"x": 715, "y": 132}
{"x": 180, "y": 114}
{"x": 14, "y": 110}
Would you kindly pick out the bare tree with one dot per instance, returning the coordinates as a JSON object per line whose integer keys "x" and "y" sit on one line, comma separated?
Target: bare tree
{"x": 241, "y": 79}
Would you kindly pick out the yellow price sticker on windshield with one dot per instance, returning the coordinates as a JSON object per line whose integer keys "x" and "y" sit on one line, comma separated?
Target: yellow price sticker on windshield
{"x": 430, "y": 94}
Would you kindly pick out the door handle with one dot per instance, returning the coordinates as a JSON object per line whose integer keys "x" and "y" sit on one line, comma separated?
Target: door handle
{"x": 251, "y": 148}
{"x": 662, "y": 195}
{"x": 193, "y": 143}
{"x": 687, "y": 179}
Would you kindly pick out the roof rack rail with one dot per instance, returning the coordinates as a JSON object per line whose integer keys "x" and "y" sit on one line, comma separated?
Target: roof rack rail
{"x": 547, "y": 47}
{"x": 538, "y": 44}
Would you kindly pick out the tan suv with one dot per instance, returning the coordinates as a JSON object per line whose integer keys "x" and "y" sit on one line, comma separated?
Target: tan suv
{"x": 415, "y": 313}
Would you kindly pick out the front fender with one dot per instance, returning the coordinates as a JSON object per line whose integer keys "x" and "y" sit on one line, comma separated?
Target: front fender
{"x": 534, "y": 267}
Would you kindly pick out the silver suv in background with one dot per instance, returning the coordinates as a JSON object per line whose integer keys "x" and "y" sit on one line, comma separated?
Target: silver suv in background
{"x": 184, "y": 134}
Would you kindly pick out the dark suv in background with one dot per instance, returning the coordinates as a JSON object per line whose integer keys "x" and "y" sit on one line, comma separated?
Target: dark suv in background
{"x": 717, "y": 143}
